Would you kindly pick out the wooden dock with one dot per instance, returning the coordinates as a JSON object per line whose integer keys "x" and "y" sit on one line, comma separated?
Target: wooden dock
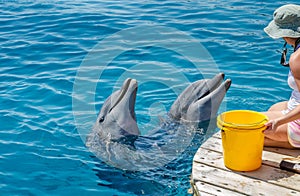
{"x": 211, "y": 177}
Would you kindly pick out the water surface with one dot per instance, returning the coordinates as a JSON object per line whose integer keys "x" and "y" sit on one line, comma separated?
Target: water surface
{"x": 43, "y": 44}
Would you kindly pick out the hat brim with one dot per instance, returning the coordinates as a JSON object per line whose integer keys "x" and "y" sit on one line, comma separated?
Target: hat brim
{"x": 276, "y": 32}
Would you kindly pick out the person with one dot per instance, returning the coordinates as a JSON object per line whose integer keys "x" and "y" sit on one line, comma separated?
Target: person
{"x": 283, "y": 127}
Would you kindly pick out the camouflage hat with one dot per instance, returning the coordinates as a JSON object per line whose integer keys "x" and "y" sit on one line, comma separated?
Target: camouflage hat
{"x": 285, "y": 23}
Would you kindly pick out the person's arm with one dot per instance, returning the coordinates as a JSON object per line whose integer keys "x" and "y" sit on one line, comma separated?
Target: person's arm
{"x": 292, "y": 115}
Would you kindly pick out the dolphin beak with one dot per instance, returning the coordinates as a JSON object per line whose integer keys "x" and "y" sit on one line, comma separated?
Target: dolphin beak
{"x": 127, "y": 97}
{"x": 131, "y": 94}
{"x": 212, "y": 84}
{"x": 122, "y": 108}
{"x": 200, "y": 100}
{"x": 207, "y": 107}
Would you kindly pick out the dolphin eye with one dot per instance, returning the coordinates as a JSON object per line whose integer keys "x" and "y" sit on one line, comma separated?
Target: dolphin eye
{"x": 101, "y": 119}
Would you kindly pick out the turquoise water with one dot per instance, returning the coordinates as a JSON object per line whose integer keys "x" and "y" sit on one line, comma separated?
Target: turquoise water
{"x": 44, "y": 44}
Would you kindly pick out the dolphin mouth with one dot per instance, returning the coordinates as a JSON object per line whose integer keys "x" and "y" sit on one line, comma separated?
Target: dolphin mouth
{"x": 127, "y": 94}
{"x": 213, "y": 84}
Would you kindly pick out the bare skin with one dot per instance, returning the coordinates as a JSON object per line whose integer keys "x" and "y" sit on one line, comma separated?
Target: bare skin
{"x": 276, "y": 133}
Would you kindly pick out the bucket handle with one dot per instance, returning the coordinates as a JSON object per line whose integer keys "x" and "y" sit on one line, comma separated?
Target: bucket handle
{"x": 248, "y": 125}
{"x": 224, "y": 143}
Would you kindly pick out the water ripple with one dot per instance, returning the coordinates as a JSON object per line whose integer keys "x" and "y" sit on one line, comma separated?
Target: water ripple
{"x": 43, "y": 44}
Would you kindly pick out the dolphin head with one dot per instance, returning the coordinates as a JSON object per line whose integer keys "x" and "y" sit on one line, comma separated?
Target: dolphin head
{"x": 116, "y": 120}
{"x": 201, "y": 100}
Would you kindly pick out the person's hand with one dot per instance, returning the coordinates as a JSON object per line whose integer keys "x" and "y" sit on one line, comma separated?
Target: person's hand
{"x": 271, "y": 125}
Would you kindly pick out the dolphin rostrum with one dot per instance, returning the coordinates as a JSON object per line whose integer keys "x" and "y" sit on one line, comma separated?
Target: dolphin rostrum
{"x": 116, "y": 139}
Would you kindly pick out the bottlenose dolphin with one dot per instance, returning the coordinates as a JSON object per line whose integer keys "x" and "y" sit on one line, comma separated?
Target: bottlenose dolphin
{"x": 116, "y": 139}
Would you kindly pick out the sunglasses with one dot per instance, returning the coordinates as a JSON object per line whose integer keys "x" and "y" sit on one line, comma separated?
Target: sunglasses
{"x": 283, "y": 56}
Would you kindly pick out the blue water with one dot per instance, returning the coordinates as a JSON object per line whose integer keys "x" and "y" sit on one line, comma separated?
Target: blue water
{"x": 44, "y": 45}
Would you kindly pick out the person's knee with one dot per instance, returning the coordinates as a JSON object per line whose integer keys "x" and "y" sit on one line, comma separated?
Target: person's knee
{"x": 278, "y": 106}
{"x": 272, "y": 143}
{"x": 279, "y": 135}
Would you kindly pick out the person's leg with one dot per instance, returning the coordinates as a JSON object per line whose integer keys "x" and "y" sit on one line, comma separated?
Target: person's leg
{"x": 272, "y": 143}
{"x": 280, "y": 134}
{"x": 278, "y": 106}
{"x": 279, "y": 137}
{"x": 294, "y": 133}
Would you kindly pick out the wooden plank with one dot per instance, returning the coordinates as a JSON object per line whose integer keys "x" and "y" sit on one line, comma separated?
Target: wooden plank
{"x": 208, "y": 189}
{"x": 265, "y": 173}
{"x": 237, "y": 183}
{"x": 217, "y": 135}
{"x": 273, "y": 159}
{"x": 213, "y": 144}
{"x": 283, "y": 151}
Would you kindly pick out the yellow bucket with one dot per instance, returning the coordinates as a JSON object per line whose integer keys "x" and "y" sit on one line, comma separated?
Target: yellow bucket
{"x": 242, "y": 138}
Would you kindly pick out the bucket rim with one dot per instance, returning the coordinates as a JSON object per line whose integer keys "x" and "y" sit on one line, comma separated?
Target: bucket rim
{"x": 257, "y": 125}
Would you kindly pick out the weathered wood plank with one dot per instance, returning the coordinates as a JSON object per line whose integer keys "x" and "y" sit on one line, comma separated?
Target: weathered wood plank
{"x": 273, "y": 159}
{"x": 265, "y": 173}
{"x": 208, "y": 189}
{"x": 283, "y": 151}
{"x": 213, "y": 144}
{"x": 217, "y": 135}
{"x": 237, "y": 183}
{"x": 211, "y": 177}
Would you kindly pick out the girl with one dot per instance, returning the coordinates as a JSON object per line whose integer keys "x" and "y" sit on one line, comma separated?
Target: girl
{"x": 284, "y": 124}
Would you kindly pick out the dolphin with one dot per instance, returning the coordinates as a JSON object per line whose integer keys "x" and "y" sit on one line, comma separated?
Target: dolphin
{"x": 116, "y": 139}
